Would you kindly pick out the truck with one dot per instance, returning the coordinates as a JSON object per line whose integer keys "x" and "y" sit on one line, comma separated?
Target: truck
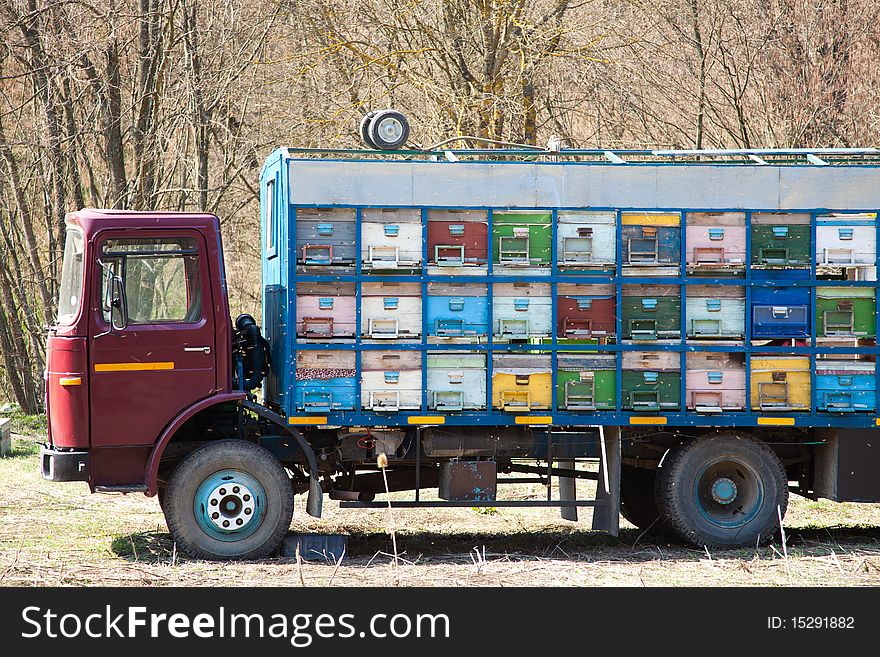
{"x": 695, "y": 331}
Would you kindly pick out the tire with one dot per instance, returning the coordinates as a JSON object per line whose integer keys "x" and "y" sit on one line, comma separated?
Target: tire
{"x": 388, "y": 130}
{"x": 638, "y": 502}
{"x": 250, "y": 490}
{"x": 722, "y": 491}
{"x": 364, "y": 130}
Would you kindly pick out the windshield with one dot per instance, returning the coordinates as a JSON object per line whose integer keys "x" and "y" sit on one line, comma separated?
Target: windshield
{"x": 70, "y": 295}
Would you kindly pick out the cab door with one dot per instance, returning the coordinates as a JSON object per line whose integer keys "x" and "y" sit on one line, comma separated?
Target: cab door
{"x": 163, "y": 360}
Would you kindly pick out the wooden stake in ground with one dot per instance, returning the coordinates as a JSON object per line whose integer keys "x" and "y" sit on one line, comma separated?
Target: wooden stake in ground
{"x": 382, "y": 462}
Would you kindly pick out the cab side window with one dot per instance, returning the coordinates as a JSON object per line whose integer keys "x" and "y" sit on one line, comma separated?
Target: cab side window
{"x": 162, "y": 280}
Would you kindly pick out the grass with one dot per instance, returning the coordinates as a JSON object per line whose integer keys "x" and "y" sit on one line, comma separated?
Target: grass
{"x": 59, "y": 534}
{"x": 29, "y": 425}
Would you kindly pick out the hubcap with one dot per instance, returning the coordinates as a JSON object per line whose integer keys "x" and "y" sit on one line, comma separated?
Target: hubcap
{"x": 229, "y": 505}
{"x": 728, "y": 493}
{"x": 390, "y": 129}
{"x": 724, "y": 490}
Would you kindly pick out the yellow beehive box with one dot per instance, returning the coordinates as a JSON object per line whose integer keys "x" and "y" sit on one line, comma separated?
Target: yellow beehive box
{"x": 780, "y": 383}
{"x": 521, "y": 382}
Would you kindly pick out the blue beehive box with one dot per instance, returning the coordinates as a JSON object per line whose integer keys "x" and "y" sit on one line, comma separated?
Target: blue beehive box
{"x": 325, "y": 381}
{"x": 845, "y": 386}
{"x": 457, "y": 311}
{"x": 780, "y": 311}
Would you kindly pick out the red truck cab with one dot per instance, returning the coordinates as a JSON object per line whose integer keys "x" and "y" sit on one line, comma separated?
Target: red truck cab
{"x": 125, "y": 365}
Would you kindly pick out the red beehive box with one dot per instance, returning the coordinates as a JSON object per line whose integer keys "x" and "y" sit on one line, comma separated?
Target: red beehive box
{"x": 457, "y": 239}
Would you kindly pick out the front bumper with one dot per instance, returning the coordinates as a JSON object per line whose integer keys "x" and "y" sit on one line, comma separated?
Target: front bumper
{"x": 64, "y": 465}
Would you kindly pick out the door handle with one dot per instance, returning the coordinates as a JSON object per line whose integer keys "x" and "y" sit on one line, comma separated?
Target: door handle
{"x": 205, "y": 350}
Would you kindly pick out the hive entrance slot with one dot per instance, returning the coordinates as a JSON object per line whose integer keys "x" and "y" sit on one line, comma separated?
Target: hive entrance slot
{"x": 708, "y": 255}
{"x": 580, "y": 395}
{"x": 513, "y": 250}
{"x": 643, "y": 250}
{"x": 515, "y": 400}
{"x": 382, "y": 328}
{"x": 448, "y": 400}
{"x": 449, "y": 255}
{"x": 575, "y": 327}
{"x": 707, "y": 402}
{"x": 773, "y": 395}
{"x": 514, "y": 329}
{"x": 577, "y": 250}
{"x": 838, "y": 257}
{"x": 317, "y": 326}
{"x": 648, "y": 400}
{"x": 385, "y": 401}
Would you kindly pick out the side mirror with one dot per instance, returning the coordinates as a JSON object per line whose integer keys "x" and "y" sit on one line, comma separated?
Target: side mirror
{"x": 118, "y": 304}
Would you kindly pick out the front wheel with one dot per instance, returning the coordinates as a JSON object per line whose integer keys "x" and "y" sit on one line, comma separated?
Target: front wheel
{"x": 229, "y": 500}
{"x": 723, "y": 491}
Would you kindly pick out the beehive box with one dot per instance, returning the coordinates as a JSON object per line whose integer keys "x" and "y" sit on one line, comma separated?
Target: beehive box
{"x": 780, "y": 240}
{"x": 716, "y": 243}
{"x": 457, "y": 312}
{"x": 586, "y": 382}
{"x": 715, "y": 382}
{"x": 391, "y": 240}
{"x": 325, "y": 239}
{"x": 780, "y": 383}
{"x": 651, "y": 381}
{"x": 586, "y": 241}
{"x": 325, "y": 381}
{"x": 325, "y": 310}
{"x": 521, "y": 311}
{"x": 585, "y": 312}
{"x": 651, "y": 312}
{"x": 521, "y": 241}
{"x": 458, "y": 242}
{"x": 391, "y": 311}
{"x": 780, "y": 312}
{"x": 715, "y": 311}
{"x": 391, "y": 380}
{"x": 847, "y": 243}
{"x": 845, "y": 312}
{"x": 651, "y": 243}
{"x": 846, "y": 386}
{"x": 521, "y": 382}
{"x": 456, "y": 381}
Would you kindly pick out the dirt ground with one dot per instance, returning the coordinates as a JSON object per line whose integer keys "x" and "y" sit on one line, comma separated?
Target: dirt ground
{"x": 59, "y": 534}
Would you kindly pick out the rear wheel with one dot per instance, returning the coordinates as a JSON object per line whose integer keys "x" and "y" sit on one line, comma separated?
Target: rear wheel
{"x": 229, "y": 500}
{"x": 638, "y": 502}
{"x": 723, "y": 491}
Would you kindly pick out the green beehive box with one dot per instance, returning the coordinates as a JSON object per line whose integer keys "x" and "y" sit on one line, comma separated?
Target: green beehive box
{"x": 781, "y": 240}
{"x": 651, "y": 312}
{"x": 586, "y": 383}
{"x": 651, "y": 381}
{"x": 845, "y": 311}
{"x": 521, "y": 239}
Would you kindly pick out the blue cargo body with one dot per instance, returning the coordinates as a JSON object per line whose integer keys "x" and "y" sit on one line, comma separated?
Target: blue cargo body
{"x": 628, "y": 257}
{"x": 845, "y": 386}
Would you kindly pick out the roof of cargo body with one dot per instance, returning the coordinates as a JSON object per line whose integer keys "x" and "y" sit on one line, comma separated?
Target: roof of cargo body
{"x": 674, "y": 180}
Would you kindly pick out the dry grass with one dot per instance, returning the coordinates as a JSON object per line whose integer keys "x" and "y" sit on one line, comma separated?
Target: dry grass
{"x": 59, "y": 534}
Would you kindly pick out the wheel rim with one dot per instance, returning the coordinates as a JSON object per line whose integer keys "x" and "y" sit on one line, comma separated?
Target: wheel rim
{"x": 229, "y": 505}
{"x": 728, "y": 493}
{"x": 390, "y": 130}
